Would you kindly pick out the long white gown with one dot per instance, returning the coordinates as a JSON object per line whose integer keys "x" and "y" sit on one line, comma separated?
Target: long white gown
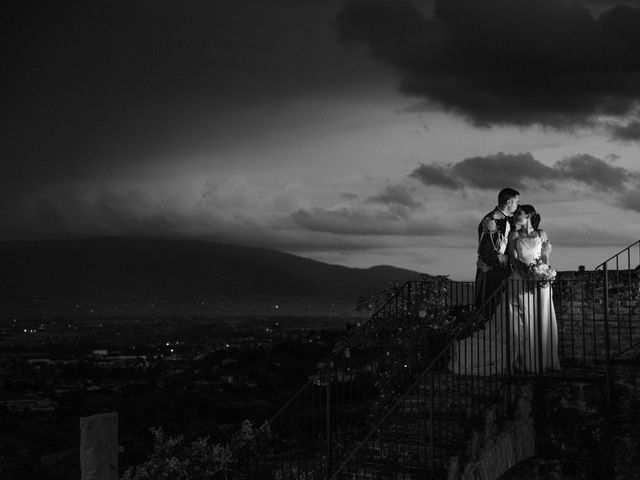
{"x": 524, "y": 315}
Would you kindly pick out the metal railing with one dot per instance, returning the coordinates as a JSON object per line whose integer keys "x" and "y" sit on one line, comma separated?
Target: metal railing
{"x": 619, "y": 310}
{"x": 525, "y": 330}
{"x": 401, "y": 396}
{"x": 361, "y": 379}
{"x": 619, "y": 279}
{"x": 432, "y": 419}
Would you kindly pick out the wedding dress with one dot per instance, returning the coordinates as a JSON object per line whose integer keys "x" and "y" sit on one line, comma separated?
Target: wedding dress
{"x": 522, "y": 335}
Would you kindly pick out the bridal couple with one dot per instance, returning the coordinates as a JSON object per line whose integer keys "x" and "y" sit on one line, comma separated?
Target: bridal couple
{"x": 515, "y": 309}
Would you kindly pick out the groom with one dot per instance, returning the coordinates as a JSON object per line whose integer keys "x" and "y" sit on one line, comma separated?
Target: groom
{"x": 493, "y": 261}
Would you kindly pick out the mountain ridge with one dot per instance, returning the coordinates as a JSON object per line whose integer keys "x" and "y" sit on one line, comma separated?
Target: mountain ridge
{"x": 125, "y": 277}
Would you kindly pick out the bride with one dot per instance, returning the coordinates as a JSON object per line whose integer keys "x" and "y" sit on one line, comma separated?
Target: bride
{"x": 531, "y": 333}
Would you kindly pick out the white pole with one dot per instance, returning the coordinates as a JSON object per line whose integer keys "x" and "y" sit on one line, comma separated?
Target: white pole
{"x": 99, "y": 447}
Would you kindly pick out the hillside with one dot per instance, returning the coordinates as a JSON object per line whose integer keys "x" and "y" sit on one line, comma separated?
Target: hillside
{"x": 125, "y": 277}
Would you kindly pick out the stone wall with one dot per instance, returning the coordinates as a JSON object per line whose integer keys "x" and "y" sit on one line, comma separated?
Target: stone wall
{"x": 563, "y": 428}
{"x": 579, "y": 300}
{"x": 573, "y": 430}
{"x": 578, "y": 437}
{"x": 559, "y": 429}
{"x": 500, "y": 442}
{"x": 625, "y": 439}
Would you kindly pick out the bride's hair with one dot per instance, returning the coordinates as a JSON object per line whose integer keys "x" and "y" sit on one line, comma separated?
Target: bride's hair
{"x": 533, "y": 215}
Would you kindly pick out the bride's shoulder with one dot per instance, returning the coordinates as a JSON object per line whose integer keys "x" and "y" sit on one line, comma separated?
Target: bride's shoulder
{"x": 543, "y": 235}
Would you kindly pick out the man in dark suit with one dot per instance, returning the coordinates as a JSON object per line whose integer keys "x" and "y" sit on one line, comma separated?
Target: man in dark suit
{"x": 493, "y": 261}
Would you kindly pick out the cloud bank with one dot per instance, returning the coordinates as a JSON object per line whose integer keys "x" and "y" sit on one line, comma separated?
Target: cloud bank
{"x": 523, "y": 171}
{"x": 505, "y": 62}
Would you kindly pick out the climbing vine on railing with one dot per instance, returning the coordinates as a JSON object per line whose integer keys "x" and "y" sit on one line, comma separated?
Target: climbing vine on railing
{"x": 368, "y": 368}
{"x": 427, "y": 308}
{"x": 411, "y": 323}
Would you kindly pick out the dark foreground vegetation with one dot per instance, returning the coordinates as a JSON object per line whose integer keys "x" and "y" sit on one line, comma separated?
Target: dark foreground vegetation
{"x": 191, "y": 378}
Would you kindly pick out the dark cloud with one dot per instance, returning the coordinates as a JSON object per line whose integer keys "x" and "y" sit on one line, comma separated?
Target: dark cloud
{"x": 627, "y": 132}
{"x": 89, "y": 81}
{"x": 570, "y": 234}
{"x": 597, "y": 7}
{"x": 491, "y": 172}
{"x": 522, "y": 171}
{"x": 396, "y": 195}
{"x": 609, "y": 4}
{"x": 345, "y": 221}
{"x": 435, "y": 175}
{"x": 349, "y": 196}
{"x": 76, "y": 213}
{"x": 361, "y": 221}
{"x": 500, "y": 170}
{"x": 93, "y": 88}
{"x": 630, "y": 199}
{"x": 548, "y": 62}
{"x": 594, "y": 172}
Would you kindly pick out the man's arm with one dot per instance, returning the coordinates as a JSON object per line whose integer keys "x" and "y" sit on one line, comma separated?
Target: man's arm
{"x": 488, "y": 237}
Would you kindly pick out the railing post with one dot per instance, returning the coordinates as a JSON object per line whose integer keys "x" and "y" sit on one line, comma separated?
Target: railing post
{"x": 539, "y": 329}
{"x": 607, "y": 354}
{"x": 507, "y": 343}
{"x": 328, "y": 414}
{"x": 432, "y": 430}
{"x": 410, "y": 314}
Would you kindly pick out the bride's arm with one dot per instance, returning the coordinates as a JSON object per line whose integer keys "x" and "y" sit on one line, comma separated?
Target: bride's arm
{"x": 545, "y": 254}
{"x": 516, "y": 263}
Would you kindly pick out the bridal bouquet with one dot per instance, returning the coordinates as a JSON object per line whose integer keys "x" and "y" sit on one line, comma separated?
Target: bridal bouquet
{"x": 541, "y": 272}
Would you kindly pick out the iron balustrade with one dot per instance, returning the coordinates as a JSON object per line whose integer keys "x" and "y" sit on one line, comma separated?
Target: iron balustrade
{"x": 432, "y": 420}
{"x": 619, "y": 279}
{"x": 401, "y": 396}
{"x": 360, "y": 381}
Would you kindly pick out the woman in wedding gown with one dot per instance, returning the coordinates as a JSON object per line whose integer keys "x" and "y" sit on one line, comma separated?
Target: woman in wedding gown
{"x": 525, "y": 317}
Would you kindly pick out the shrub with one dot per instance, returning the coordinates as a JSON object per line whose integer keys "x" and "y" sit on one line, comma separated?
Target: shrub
{"x": 172, "y": 459}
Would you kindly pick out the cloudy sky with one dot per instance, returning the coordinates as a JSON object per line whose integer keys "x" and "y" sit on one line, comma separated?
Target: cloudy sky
{"x": 353, "y": 132}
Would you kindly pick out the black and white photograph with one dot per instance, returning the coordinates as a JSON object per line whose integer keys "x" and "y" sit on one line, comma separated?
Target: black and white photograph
{"x": 320, "y": 240}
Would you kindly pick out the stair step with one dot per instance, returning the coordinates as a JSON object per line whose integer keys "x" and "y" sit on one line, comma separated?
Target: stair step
{"x": 441, "y": 402}
{"x": 380, "y": 470}
{"x": 413, "y": 439}
{"x": 390, "y": 441}
{"x": 409, "y": 418}
{"x": 421, "y": 432}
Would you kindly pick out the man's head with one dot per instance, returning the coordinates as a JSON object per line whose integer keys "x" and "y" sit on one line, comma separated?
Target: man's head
{"x": 508, "y": 200}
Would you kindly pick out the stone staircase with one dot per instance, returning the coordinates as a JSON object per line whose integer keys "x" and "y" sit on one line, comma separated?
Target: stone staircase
{"x": 445, "y": 426}
{"x": 480, "y": 436}
{"x": 476, "y": 427}
{"x": 442, "y": 407}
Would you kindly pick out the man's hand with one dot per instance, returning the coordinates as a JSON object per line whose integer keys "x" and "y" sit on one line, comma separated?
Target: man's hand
{"x": 503, "y": 258}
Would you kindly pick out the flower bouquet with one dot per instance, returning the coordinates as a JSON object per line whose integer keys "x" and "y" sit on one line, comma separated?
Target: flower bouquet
{"x": 541, "y": 272}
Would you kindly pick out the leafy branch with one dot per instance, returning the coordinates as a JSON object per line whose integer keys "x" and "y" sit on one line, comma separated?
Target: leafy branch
{"x": 201, "y": 459}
